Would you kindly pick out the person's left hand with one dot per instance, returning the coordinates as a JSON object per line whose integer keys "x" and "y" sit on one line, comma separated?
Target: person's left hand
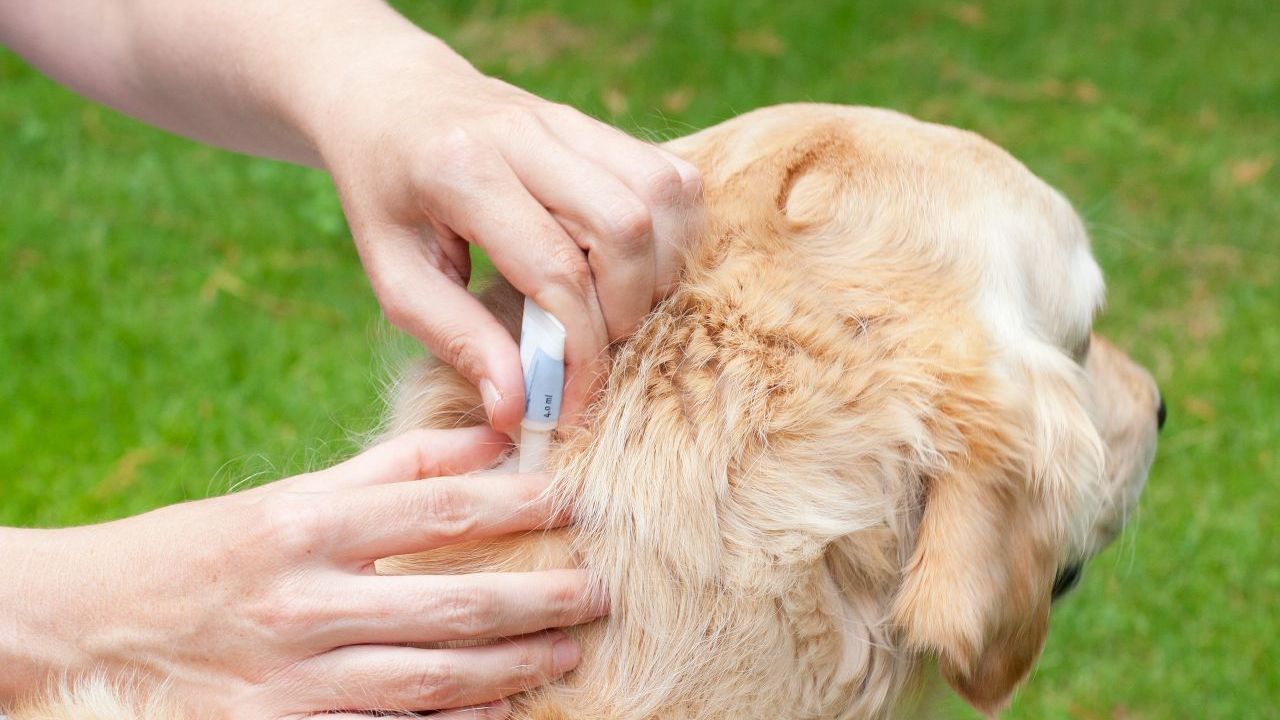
{"x": 265, "y": 604}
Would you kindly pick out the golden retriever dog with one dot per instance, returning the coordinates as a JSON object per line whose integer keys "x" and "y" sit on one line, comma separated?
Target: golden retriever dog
{"x": 863, "y": 444}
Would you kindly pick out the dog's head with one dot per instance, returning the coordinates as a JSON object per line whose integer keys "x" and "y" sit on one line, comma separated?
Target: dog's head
{"x": 1044, "y": 443}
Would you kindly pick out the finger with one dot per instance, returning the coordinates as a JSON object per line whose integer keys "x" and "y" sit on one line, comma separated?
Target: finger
{"x": 496, "y": 710}
{"x": 477, "y": 194}
{"x": 678, "y": 231}
{"x": 450, "y": 321}
{"x": 605, "y": 219}
{"x": 415, "y": 455}
{"x": 374, "y": 522}
{"x": 398, "y": 609}
{"x": 670, "y": 187}
{"x": 370, "y": 678}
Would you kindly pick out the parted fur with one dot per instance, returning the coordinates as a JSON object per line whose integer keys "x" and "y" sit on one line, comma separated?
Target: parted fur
{"x": 862, "y": 433}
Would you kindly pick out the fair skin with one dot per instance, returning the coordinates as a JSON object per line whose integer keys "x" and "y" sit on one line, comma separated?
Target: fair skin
{"x": 272, "y": 609}
{"x": 265, "y": 604}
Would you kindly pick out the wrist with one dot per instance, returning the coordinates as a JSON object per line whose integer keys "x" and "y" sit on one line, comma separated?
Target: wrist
{"x": 351, "y": 82}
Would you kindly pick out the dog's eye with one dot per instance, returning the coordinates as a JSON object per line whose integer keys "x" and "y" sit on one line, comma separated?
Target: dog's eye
{"x": 1068, "y": 578}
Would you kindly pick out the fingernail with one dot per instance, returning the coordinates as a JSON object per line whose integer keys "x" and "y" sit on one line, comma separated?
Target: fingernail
{"x": 490, "y": 396}
{"x": 564, "y": 654}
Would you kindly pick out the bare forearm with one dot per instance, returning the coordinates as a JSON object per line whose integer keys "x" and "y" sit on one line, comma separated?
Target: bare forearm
{"x": 252, "y": 76}
{"x": 32, "y": 645}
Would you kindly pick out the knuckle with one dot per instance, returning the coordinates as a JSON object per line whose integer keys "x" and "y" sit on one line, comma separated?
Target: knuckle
{"x": 468, "y": 613}
{"x": 531, "y": 668}
{"x": 663, "y": 186}
{"x": 290, "y": 526}
{"x": 458, "y": 348}
{"x": 278, "y": 610}
{"x": 281, "y": 615}
{"x": 629, "y": 229}
{"x": 550, "y": 114}
{"x": 438, "y": 684}
{"x": 448, "y": 509}
{"x": 569, "y": 268}
{"x": 691, "y": 186}
{"x": 568, "y": 599}
{"x": 563, "y": 111}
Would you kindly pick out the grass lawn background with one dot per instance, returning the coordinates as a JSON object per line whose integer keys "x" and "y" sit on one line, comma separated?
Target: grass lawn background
{"x": 175, "y": 319}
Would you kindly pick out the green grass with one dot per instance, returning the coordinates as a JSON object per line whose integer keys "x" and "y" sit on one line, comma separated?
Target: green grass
{"x": 174, "y": 319}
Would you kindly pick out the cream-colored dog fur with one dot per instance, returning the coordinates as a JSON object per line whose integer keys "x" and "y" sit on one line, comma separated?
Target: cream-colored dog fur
{"x": 865, "y": 433}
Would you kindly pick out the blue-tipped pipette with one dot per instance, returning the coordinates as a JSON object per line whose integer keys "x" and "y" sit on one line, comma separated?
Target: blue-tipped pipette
{"x": 542, "y": 359}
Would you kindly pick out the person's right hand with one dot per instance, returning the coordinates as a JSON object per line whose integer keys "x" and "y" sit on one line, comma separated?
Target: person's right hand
{"x": 430, "y": 156}
{"x": 264, "y": 603}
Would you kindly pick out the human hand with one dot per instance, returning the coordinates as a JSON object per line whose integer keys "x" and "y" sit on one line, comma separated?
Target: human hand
{"x": 264, "y": 603}
{"x": 429, "y": 155}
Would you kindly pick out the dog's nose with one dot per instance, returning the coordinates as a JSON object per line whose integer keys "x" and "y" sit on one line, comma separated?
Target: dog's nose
{"x": 1161, "y": 413}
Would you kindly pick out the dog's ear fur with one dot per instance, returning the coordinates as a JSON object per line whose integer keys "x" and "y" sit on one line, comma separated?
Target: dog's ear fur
{"x": 977, "y": 588}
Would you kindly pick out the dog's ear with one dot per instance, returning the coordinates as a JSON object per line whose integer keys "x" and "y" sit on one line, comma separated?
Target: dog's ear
{"x": 997, "y": 521}
{"x": 976, "y": 591}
